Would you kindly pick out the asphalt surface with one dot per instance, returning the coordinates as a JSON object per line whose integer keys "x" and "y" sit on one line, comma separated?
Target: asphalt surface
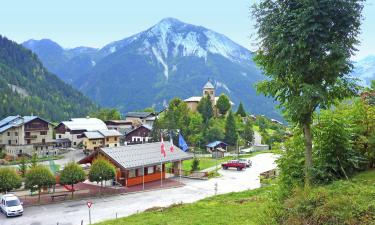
{"x": 73, "y": 212}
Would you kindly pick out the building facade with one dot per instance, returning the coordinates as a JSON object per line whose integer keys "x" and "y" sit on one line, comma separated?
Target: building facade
{"x": 93, "y": 140}
{"x": 27, "y": 135}
{"x": 141, "y": 134}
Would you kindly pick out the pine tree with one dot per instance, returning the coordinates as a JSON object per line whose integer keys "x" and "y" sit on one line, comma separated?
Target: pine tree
{"x": 231, "y": 134}
{"x": 241, "y": 111}
{"x": 223, "y": 104}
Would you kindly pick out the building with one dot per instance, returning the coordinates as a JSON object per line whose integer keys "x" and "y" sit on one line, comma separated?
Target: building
{"x": 217, "y": 149}
{"x": 140, "y": 134}
{"x": 24, "y": 135}
{"x": 119, "y": 125}
{"x": 93, "y": 140}
{"x": 74, "y": 128}
{"x": 208, "y": 90}
{"x": 139, "y": 164}
{"x": 146, "y": 118}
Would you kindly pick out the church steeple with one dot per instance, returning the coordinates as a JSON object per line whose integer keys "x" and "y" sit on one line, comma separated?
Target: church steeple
{"x": 209, "y": 89}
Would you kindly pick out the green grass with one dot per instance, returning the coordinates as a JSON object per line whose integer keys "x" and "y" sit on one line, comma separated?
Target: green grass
{"x": 42, "y": 159}
{"x": 207, "y": 162}
{"x": 342, "y": 202}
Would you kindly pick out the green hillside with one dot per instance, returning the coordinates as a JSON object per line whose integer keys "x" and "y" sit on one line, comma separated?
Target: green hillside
{"x": 342, "y": 202}
{"x": 26, "y": 87}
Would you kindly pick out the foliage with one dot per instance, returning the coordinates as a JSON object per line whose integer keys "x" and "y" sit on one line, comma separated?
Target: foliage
{"x": 72, "y": 174}
{"x": 214, "y": 133}
{"x": 194, "y": 133}
{"x": 195, "y": 164}
{"x": 9, "y": 179}
{"x": 101, "y": 170}
{"x": 231, "y": 135}
{"x": 149, "y": 109}
{"x": 241, "y": 111}
{"x": 177, "y": 115}
{"x": 248, "y": 133}
{"x": 305, "y": 49}
{"x": 22, "y": 167}
{"x": 205, "y": 108}
{"x": 34, "y": 160}
{"x": 39, "y": 177}
{"x": 106, "y": 114}
{"x": 28, "y": 88}
{"x": 223, "y": 104}
{"x": 156, "y": 130}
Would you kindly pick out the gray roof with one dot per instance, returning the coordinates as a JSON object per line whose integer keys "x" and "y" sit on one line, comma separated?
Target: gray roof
{"x": 16, "y": 121}
{"x": 135, "y": 156}
{"x": 139, "y": 114}
{"x": 208, "y": 85}
{"x": 101, "y": 134}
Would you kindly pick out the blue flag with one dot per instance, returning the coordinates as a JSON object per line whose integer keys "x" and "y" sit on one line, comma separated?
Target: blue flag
{"x": 182, "y": 143}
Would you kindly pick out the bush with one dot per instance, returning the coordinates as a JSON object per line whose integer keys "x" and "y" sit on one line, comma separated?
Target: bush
{"x": 195, "y": 164}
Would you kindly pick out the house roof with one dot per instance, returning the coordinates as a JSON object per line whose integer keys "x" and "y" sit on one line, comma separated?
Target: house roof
{"x": 16, "y": 121}
{"x": 198, "y": 98}
{"x": 101, "y": 134}
{"x": 87, "y": 124}
{"x": 135, "y": 156}
{"x": 143, "y": 125}
{"x": 215, "y": 143}
{"x": 140, "y": 114}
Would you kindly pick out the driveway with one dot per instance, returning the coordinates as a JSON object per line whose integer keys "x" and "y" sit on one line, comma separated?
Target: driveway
{"x": 71, "y": 213}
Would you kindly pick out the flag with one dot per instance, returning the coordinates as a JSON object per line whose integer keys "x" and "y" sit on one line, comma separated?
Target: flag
{"x": 182, "y": 143}
{"x": 162, "y": 147}
{"x": 171, "y": 148}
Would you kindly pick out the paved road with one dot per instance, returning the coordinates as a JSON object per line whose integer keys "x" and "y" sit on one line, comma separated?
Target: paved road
{"x": 71, "y": 213}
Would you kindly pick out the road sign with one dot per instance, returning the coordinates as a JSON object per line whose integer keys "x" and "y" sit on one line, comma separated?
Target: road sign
{"x": 89, "y": 204}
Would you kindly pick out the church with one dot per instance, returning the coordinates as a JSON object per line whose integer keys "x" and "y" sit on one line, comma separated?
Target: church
{"x": 208, "y": 90}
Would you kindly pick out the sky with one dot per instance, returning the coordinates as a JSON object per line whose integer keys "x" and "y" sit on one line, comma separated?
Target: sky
{"x": 95, "y": 23}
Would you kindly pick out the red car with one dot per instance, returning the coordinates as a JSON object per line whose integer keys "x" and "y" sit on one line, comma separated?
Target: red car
{"x": 233, "y": 164}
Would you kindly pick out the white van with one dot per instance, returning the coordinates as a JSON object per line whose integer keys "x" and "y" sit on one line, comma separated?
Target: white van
{"x": 11, "y": 205}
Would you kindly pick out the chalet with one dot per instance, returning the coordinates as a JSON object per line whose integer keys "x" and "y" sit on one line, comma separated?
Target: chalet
{"x": 208, "y": 90}
{"x": 119, "y": 125}
{"x": 217, "y": 149}
{"x": 93, "y": 140}
{"x": 24, "y": 135}
{"x": 146, "y": 118}
{"x": 139, "y": 164}
{"x": 74, "y": 128}
{"x": 140, "y": 134}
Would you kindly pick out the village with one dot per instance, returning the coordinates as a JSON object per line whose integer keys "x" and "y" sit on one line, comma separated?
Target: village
{"x": 133, "y": 159}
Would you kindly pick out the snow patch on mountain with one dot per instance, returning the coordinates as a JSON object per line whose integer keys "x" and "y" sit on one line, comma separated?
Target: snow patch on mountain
{"x": 218, "y": 84}
{"x": 112, "y": 49}
{"x": 160, "y": 59}
{"x": 93, "y": 63}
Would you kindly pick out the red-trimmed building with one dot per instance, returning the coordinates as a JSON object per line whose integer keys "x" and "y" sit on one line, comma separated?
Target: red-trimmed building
{"x": 142, "y": 163}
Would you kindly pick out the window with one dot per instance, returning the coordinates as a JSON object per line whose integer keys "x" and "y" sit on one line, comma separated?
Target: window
{"x": 115, "y": 138}
{"x": 16, "y": 133}
{"x": 74, "y": 143}
{"x": 107, "y": 139}
{"x": 131, "y": 173}
{"x": 9, "y": 142}
{"x": 94, "y": 142}
{"x": 59, "y": 135}
{"x": 43, "y": 141}
{"x": 115, "y": 145}
{"x": 16, "y": 141}
{"x": 150, "y": 170}
{"x": 8, "y": 134}
{"x": 158, "y": 168}
{"x": 28, "y": 141}
{"x": 107, "y": 145}
{"x": 140, "y": 172}
{"x": 43, "y": 133}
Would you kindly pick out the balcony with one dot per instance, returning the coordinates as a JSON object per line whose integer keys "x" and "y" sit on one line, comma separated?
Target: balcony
{"x": 31, "y": 137}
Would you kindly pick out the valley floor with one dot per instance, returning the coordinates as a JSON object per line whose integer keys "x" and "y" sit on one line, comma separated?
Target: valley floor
{"x": 343, "y": 202}
{"x": 73, "y": 212}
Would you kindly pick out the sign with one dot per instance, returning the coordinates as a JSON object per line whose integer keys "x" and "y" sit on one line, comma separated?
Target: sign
{"x": 89, "y": 204}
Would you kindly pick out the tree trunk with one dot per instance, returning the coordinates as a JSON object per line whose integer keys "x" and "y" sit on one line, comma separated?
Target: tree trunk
{"x": 101, "y": 186}
{"x": 39, "y": 190}
{"x": 72, "y": 191}
{"x": 308, "y": 152}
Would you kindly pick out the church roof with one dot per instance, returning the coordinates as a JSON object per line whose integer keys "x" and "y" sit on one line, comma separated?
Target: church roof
{"x": 208, "y": 85}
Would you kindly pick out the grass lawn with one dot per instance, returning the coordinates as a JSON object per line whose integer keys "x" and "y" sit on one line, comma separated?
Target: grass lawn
{"x": 342, "y": 202}
{"x": 207, "y": 162}
{"x": 41, "y": 159}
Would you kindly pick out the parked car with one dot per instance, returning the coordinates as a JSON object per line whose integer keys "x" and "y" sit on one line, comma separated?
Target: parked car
{"x": 233, "y": 164}
{"x": 11, "y": 205}
{"x": 247, "y": 162}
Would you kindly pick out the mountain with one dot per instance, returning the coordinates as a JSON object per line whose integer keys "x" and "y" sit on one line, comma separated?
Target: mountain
{"x": 364, "y": 69}
{"x": 170, "y": 59}
{"x": 67, "y": 63}
{"x": 28, "y": 88}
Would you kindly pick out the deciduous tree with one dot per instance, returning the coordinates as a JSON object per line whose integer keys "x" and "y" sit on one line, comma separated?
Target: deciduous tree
{"x": 223, "y": 104}
{"x": 305, "y": 50}
{"x": 9, "y": 179}
{"x": 71, "y": 175}
{"x": 101, "y": 170}
{"x": 39, "y": 177}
